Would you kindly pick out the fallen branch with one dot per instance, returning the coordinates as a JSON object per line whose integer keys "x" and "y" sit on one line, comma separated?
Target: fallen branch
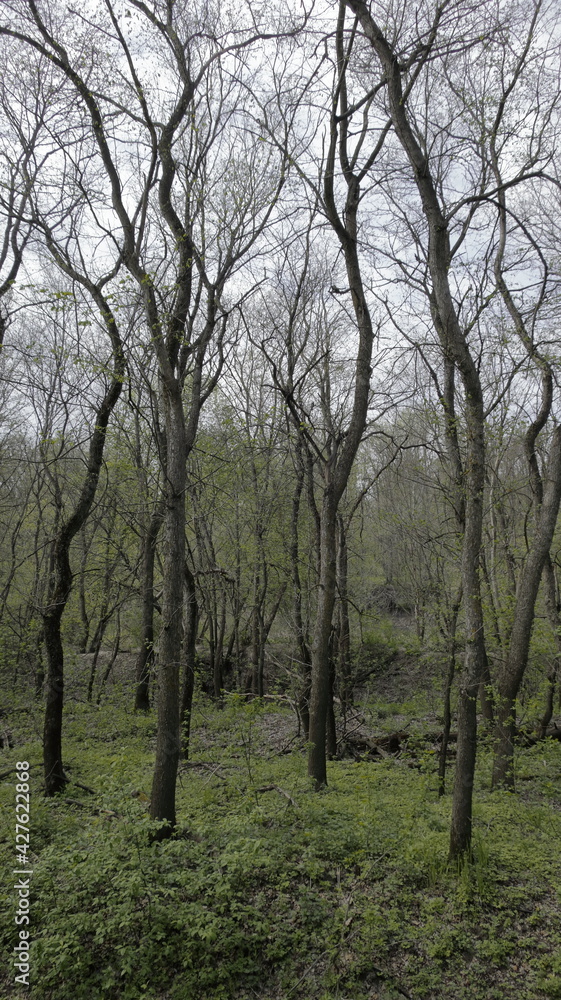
{"x": 528, "y": 740}
{"x": 69, "y": 781}
{"x": 85, "y": 788}
{"x": 281, "y": 791}
{"x": 109, "y": 813}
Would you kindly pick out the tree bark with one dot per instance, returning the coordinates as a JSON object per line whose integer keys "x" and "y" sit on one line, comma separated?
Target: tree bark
{"x": 331, "y": 734}
{"x": 168, "y": 742}
{"x": 55, "y": 778}
{"x": 145, "y": 659}
{"x": 257, "y": 626}
{"x": 112, "y": 659}
{"x": 319, "y": 695}
{"x": 344, "y": 644}
{"x": 304, "y": 658}
{"x": 552, "y": 607}
{"x": 486, "y": 699}
{"x": 189, "y": 658}
{"x": 452, "y": 625}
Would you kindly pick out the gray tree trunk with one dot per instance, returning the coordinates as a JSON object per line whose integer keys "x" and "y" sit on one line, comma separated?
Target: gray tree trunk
{"x": 60, "y": 583}
{"x": 189, "y": 656}
{"x": 145, "y": 659}
{"x": 510, "y": 677}
{"x": 552, "y": 607}
{"x": 168, "y": 742}
{"x": 319, "y": 695}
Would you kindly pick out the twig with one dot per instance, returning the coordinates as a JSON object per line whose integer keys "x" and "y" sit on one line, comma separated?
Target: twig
{"x": 213, "y": 768}
{"x": 6, "y": 774}
{"x": 286, "y": 747}
{"x": 307, "y": 972}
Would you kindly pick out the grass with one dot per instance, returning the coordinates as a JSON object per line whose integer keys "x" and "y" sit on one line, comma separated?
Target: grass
{"x": 341, "y": 895}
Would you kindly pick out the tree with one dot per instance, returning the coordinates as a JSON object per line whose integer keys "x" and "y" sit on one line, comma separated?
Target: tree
{"x": 412, "y": 60}
{"x": 332, "y": 437}
{"x": 69, "y": 525}
{"x": 179, "y": 255}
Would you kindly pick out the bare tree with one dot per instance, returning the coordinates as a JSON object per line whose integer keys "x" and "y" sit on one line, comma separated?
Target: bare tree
{"x": 179, "y": 253}
{"x": 412, "y": 58}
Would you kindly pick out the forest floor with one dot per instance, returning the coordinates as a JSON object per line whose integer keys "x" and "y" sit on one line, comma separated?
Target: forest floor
{"x": 270, "y": 890}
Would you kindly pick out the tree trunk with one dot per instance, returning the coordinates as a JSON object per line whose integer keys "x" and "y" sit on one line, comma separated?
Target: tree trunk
{"x": 475, "y": 656}
{"x": 189, "y": 657}
{"x": 256, "y": 633}
{"x": 60, "y": 583}
{"x": 304, "y": 659}
{"x": 344, "y": 644}
{"x": 319, "y": 695}
{"x": 331, "y": 735}
{"x": 552, "y": 608}
{"x": 83, "y": 645}
{"x": 55, "y": 779}
{"x": 455, "y": 350}
{"x": 93, "y": 668}
{"x": 168, "y": 743}
{"x": 486, "y": 699}
{"x": 491, "y": 590}
{"x": 452, "y": 624}
{"x": 341, "y": 453}
{"x": 112, "y": 659}
{"x": 145, "y": 659}
{"x": 40, "y": 669}
{"x": 218, "y": 672}
{"x": 546, "y": 501}
{"x": 512, "y": 673}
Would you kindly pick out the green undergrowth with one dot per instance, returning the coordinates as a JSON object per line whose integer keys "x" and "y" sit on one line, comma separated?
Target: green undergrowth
{"x": 270, "y": 890}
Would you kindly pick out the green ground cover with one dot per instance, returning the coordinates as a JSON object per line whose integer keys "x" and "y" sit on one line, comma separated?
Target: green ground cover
{"x": 278, "y": 893}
